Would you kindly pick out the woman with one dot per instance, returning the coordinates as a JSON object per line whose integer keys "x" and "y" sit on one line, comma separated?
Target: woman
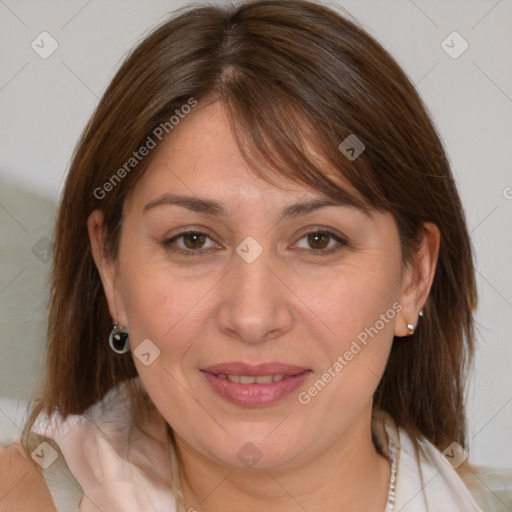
{"x": 263, "y": 287}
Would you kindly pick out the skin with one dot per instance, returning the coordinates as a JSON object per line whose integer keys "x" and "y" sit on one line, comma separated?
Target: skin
{"x": 22, "y": 485}
{"x": 289, "y": 305}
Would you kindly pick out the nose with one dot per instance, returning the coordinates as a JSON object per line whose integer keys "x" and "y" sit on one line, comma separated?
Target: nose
{"x": 256, "y": 304}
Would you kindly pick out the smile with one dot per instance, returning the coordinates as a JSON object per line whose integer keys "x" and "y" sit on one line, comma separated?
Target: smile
{"x": 254, "y": 386}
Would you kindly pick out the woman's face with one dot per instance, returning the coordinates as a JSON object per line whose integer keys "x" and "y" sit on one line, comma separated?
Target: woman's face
{"x": 313, "y": 295}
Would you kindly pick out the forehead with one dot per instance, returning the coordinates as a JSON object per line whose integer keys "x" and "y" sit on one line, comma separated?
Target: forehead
{"x": 202, "y": 152}
{"x": 201, "y": 157}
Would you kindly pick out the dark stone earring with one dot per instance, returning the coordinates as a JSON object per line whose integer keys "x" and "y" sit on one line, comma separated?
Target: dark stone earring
{"x": 118, "y": 340}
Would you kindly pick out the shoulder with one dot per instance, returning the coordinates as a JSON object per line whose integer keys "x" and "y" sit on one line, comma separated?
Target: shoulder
{"x": 22, "y": 485}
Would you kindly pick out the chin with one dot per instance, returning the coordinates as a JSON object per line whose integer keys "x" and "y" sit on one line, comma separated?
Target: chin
{"x": 256, "y": 449}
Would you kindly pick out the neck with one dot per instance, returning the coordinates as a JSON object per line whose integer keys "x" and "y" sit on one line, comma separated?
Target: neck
{"x": 349, "y": 475}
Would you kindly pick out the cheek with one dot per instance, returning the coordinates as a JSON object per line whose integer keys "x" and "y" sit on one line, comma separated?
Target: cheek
{"x": 165, "y": 309}
{"x": 359, "y": 305}
{"x": 172, "y": 313}
{"x": 161, "y": 302}
{"x": 361, "y": 299}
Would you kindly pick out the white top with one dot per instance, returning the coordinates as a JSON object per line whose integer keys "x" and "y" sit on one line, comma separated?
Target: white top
{"x": 107, "y": 462}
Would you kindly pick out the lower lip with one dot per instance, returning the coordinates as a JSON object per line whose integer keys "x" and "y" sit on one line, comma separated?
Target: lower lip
{"x": 255, "y": 395}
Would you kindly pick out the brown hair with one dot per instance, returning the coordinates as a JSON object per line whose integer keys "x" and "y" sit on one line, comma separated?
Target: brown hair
{"x": 288, "y": 73}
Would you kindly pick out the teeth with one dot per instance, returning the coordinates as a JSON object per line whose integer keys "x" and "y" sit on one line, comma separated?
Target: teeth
{"x": 264, "y": 379}
{"x": 249, "y": 379}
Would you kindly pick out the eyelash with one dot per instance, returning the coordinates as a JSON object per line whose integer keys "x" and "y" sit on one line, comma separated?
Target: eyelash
{"x": 167, "y": 243}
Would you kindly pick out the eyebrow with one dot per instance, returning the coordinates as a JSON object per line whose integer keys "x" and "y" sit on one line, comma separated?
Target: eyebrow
{"x": 217, "y": 209}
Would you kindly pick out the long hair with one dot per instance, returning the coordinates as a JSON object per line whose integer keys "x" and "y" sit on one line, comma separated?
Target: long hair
{"x": 290, "y": 74}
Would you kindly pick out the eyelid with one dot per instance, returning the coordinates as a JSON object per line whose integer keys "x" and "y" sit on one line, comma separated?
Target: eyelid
{"x": 167, "y": 242}
{"x": 339, "y": 238}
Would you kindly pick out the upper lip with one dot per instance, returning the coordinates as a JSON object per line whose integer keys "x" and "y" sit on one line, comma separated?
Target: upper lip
{"x": 239, "y": 368}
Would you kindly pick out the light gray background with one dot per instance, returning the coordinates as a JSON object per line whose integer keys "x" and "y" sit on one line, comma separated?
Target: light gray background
{"x": 45, "y": 103}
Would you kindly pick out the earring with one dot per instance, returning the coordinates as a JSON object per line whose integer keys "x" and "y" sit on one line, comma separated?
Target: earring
{"x": 421, "y": 312}
{"x": 118, "y": 340}
{"x": 411, "y": 328}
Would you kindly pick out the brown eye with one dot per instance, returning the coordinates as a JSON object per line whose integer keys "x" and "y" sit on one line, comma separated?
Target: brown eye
{"x": 321, "y": 243}
{"x": 318, "y": 240}
{"x": 194, "y": 240}
{"x": 190, "y": 243}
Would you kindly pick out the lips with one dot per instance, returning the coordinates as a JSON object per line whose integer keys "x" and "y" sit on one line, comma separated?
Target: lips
{"x": 254, "y": 385}
{"x": 238, "y": 368}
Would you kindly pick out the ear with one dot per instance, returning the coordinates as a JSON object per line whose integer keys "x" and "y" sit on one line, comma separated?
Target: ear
{"x": 106, "y": 267}
{"x": 417, "y": 279}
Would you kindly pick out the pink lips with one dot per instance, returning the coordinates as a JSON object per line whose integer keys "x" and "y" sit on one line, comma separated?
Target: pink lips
{"x": 254, "y": 395}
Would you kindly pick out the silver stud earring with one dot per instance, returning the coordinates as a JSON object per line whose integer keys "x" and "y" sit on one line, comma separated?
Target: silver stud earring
{"x": 421, "y": 312}
{"x": 118, "y": 340}
{"x": 411, "y": 328}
